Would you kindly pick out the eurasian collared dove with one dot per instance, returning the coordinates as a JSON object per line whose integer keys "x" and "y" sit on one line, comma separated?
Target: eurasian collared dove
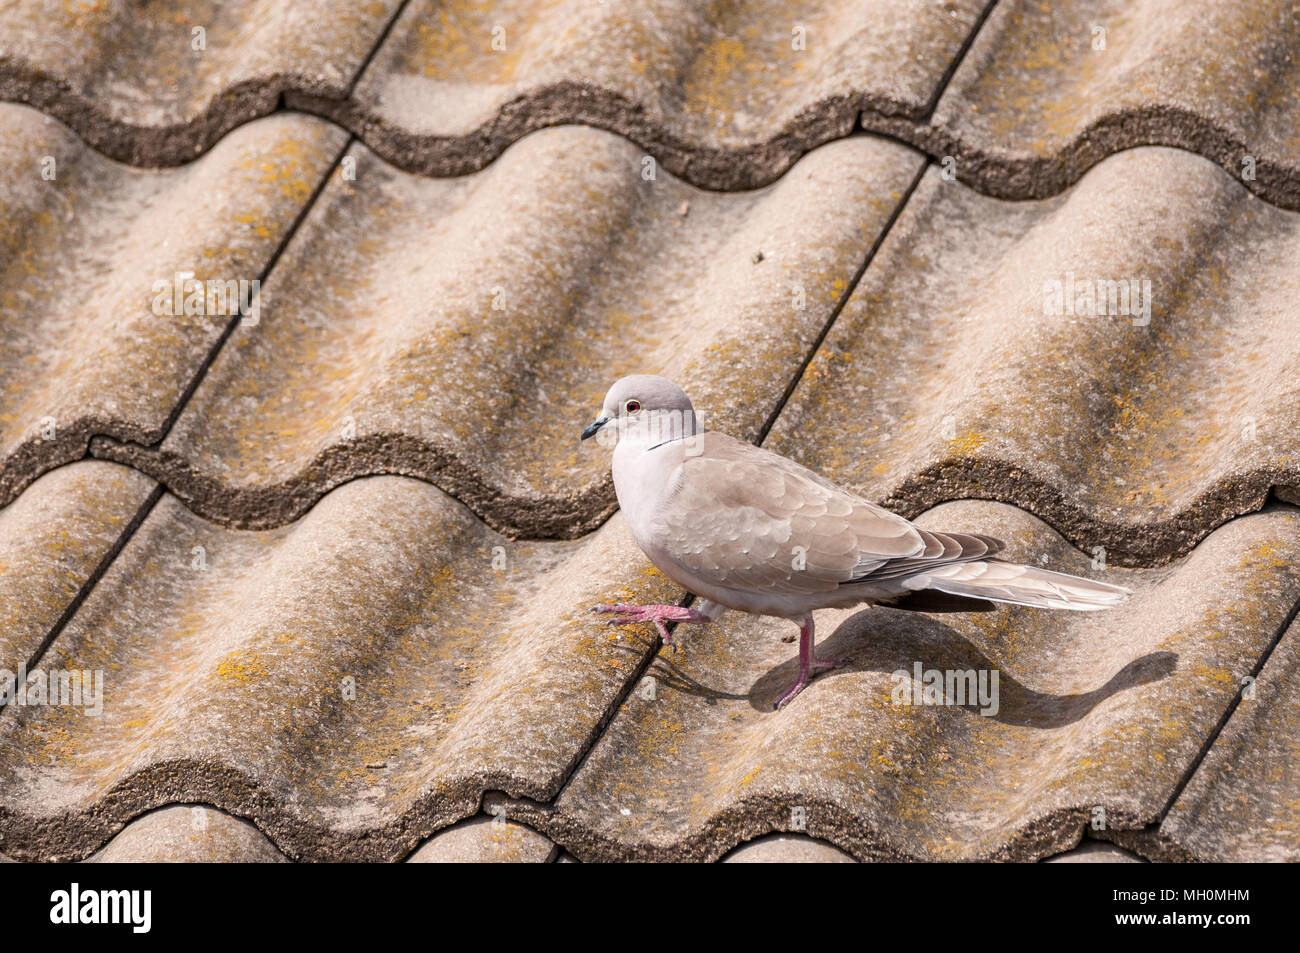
{"x": 744, "y": 528}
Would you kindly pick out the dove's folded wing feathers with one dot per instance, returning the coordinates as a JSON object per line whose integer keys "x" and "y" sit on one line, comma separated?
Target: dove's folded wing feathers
{"x": 748, "y": 519}
{"x": 941, "y": 549}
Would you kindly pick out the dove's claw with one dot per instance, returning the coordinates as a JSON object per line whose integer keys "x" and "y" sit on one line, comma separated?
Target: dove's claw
{"x": 793, "y": 690}
{"x": 656, "y": 614}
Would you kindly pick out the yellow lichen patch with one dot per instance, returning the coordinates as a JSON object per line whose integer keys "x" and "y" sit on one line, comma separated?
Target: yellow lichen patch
{"x": 241, "y": 666}
{"x": 472, "y": 41}
{"x": 964, "y": 446}
{"x": 1266, "y": 553}
{"x": 1220, "y": 676}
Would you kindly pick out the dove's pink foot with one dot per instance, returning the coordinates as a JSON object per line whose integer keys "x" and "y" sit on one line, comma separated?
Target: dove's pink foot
{"x": 809, "y": 663}
{"x": 656, "y": 614}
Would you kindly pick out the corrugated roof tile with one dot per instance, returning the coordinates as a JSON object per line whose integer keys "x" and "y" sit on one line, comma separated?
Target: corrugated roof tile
{"x": 947, "y": 375}
{"x": 787, "y": 849}
{"x": 460, "y": 330}
{"x": 725, "y": 95}
{"x": 53, "y": 538}
{"x": 1241, "y": 804}
{"x": 1025, "y": 96}
{"x": 485, "y": 840}
{"x": 363, "y": 669}
{"x": 193, "y": 834}
{"x": 157, "y": 84}
{"x": 1047, "y": 90}
{"x": 1095, "y": 852}
{"x": 353, "y": 681}
{"x": 87, "y": 242}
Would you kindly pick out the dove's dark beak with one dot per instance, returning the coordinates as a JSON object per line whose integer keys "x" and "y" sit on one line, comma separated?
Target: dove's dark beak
{"x": 595, "y": 427}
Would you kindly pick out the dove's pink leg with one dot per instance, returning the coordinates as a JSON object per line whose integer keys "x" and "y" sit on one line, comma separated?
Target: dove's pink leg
{"x": 656, "y": 614}
{"x": 809, "y": 663}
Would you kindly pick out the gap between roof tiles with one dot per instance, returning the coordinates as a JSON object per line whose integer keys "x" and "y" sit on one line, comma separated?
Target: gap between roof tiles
{"x": 844, "y": 300}
{"x": 942, "y": 86}
{"x": 492, "y": 808}
{"x": 1146, "y": 842}
{"x": 141, "y": 514}
{"x": 263, "y": 277}
{"x": 374, "y": 50}
{"x": 1225, "y": 718}
{"x": 1091, "y": 845}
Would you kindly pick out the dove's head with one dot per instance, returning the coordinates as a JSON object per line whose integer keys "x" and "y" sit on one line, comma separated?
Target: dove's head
{"x": 646, "y": 409}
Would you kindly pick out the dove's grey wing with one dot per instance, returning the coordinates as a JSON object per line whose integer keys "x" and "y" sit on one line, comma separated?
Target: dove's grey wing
{"x": 749, "y": 519}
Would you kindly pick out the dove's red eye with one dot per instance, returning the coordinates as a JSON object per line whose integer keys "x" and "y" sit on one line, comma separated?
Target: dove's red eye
{"x": 632, "y": 406}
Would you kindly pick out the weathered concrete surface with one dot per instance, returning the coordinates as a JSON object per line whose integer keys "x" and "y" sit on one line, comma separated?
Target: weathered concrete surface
{"x": 465, "y": 330}
{"x": 351, "y": 683}
{"x": 1095, "y": 852}
{"x": 52, "y": 539}
{"x": 192, "y": 834}
{"x": 83, "y": 347}
{"x": 787, "y": 849}
{"x": 724, "y": 95}
{"x": 1042, "y": 95}
{"x": 947, "y": 376}
{"x": 1243, "y": 803}
{"x": 138, "y": 83}
{"x": 485, "y": 840}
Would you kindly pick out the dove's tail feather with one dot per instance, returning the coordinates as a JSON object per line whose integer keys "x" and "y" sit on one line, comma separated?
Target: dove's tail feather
{"x": 1023, "y": 585}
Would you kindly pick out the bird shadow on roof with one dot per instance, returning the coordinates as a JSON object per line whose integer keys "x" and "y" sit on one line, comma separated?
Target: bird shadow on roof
{"x": 888, "y": 641}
